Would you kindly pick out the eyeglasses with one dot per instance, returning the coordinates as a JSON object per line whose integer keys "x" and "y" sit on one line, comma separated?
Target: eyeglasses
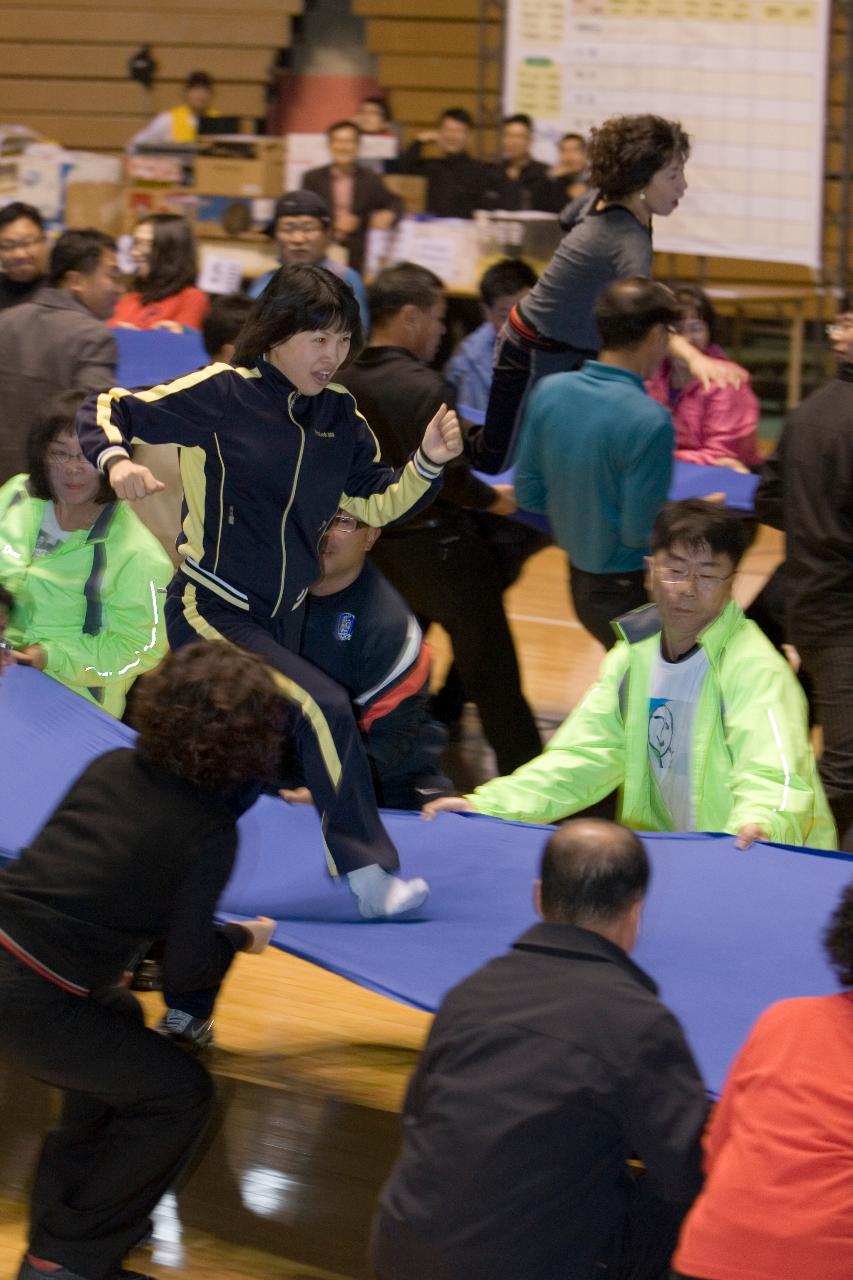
{"x": 28, "y": 242}
{"x": 703, "y": 581}
{"x": 308, "y": 227}
{"x": 838, "y": 328}
{"x": 691, "y": 326}
{"x": 62, "y": 458}
{"x": 343, "y": 522}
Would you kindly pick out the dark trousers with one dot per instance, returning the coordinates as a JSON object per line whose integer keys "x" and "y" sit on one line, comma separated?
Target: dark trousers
{"x": 134, "y": 1109}
{"x": 449, "y": 575}
{"x": 518, "y": 367}
{"x": 600, "y": 597}
{"x": 325, "y": 733}
{"x": 830, "y": 671}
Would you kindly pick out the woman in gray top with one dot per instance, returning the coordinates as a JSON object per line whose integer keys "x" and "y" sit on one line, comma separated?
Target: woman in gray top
{"x": 637, "y": 170}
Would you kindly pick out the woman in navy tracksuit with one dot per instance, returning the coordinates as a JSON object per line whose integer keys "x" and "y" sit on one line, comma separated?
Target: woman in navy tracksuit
{"x": 269, "y": 450}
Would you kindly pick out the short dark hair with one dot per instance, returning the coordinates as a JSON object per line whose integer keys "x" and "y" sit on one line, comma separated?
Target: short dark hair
{"x": 299, "y": 299}
{"x": 575, "y": 137}
{"x": 173, "y": 264}
{"x": 592, "y": 872}
{"x": 505, "y": 277}
{"x": 211, "y": 714}
{"x": 628, "y": 310}
{"x": 627, "y": 151}
{"x": 696, "y": 523}
{"x": 17, "y": 209}
{"x": 381, "y": 103}
{"x": 838, "y": 938}
{"x": 199, "y": 80}
{"x": 54, "y": 417}
{"x": 343, "y": 124}
{"x": 78, "y": 251}
{"x": 691, "y": 298}
{"x": 459, "y": 114}
{"x": 520, "y": 117}
{"x": 407, "y": 284}
{"x": 223, "y": 322}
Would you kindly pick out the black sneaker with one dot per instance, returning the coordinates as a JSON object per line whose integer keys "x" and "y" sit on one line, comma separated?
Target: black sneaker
{"x": 184, "y": 1029}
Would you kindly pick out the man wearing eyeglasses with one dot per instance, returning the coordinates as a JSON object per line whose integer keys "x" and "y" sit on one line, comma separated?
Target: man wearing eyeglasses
{"x": 23, "y": 253}
{"x": 807, "y": 490}
{"x": 695, "y": 717}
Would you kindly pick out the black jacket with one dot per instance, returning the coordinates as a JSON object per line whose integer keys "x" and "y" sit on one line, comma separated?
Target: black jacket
{"x": 369, "y": 195}
{"x": 130, "y": 854}
{"x": 542, "y": 1073}
{"x": 399, "y": 394}
{"x": 456, "y": 185}
{"x": 263, "y": 469}
{"x": 807, "y": 490}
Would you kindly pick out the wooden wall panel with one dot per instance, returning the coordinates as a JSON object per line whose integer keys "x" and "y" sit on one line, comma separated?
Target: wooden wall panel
{"x": 114, "y": 26}
{"x": 119, "y": 98}
{"x": 90, "y": 62}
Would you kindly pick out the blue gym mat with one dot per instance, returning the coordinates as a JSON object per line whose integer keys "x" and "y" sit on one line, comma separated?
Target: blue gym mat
{"x": 725, "y": 932}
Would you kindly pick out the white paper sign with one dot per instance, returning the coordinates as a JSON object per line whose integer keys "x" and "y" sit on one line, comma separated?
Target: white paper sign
{"x": 220, "y": 273}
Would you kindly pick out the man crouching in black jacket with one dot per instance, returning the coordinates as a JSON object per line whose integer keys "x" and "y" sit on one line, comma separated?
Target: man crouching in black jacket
{"x": 141, "y": 847}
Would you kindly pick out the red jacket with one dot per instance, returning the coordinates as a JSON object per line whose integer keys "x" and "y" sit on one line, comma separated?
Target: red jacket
{"x": 189, "y": 308}
{"x": 778, "y": 1200}
{"x": 712, "y": 424}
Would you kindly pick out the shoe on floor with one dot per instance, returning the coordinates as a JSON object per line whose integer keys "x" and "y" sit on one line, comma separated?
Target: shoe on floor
{"x": 184, "y": 1029}
{"x": 29, "y": 1271}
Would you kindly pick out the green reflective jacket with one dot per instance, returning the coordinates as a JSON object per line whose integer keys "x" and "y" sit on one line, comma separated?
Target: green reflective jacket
{"x": 95, "y": 603}
{"x": 751, "y": 760}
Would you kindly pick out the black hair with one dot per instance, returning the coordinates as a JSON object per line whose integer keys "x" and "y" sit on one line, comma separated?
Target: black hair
{"x": 838, "y": 938}
{"x": 198, "y": 80}
{"x": 459, "y": 114}
{"x": 299, "y": 299}
{"x": 343, "y": 124}
{"x": 381, "y": 103}
{"x": 17, "y": 209}
{"x": 520, "y": 117}
{"x": 173, "y": 263}
{"x": 592, "y": 872}
{"x": 407, "y": 284}
{"x": 505, "y": 277}
{"x": 627, "y": 311}
{"x": 575, "y": 137}
{"x": 78, "y": 251}
{"x": 627, "y": 151}
{"x": 691, "y": 298}
{"x": 695, "y": 523}
{"x": 223, "y": 322}
{"x": 55, "y": 417}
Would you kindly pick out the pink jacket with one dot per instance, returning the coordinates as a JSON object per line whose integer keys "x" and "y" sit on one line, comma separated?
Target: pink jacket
{"x": 718, "y": 423}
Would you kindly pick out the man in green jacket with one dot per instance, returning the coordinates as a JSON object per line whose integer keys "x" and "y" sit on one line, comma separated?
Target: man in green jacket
{"x": 695, "y": 717}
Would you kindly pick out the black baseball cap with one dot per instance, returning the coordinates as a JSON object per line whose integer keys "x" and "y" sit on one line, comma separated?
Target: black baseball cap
{"x": 300, "y": 204}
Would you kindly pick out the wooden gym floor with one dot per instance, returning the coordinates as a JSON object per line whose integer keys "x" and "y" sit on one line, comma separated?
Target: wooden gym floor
{"x": 311, "y": 1070}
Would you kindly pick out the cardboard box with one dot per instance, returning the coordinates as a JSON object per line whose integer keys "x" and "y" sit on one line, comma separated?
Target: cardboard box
{"x": 168, "y": 169}
{"x": 139, "y": 201}
{"x": 240, "y": 166}
{"x": 95, "y": 204}
{"x": 233, "y": 217}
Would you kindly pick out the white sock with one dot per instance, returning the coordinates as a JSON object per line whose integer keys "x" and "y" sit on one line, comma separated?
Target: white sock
{"x": 381, "y": 895}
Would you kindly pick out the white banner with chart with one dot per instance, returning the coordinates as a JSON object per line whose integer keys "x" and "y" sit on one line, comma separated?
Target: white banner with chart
{"x": 746, "y": 78}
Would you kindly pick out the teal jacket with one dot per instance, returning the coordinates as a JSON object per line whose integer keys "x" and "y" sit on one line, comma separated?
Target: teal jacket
{"x": 95, "y": 604}
{"x": 751, "y": 759}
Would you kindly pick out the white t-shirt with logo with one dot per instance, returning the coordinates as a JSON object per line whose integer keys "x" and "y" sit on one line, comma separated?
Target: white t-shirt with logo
{"x": 673, "y": 698}
{"x": 51, "y": 534}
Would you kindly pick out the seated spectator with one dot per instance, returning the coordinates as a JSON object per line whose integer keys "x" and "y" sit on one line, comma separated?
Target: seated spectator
{"x": 440, "y": 561}
{"x": 86, "y": 576}
{"x": 165, "y": 267}
{"x": 543, "y": 1073}
{"x": 596, "y": 455}
{"x": 222, "y": 324}
{"x": 779, "y": 1185}
{"x": 24, "y": 252}
{"x": 57, "y": 341}
{"x": 568, "y": 179}
{"x": 362, "y": 634}
{"x": 380, "y": 133}
{"x": 715, "y": 426}
{"x": 470, "y": 368}
{"x": 358, "y": 198}
{"x": 180, "y": 123}
{"x": 519, "y": 181}
{"x": 302, "y": 230}
{"x": 694, "y": 716}
{"x": 456, "y": 182}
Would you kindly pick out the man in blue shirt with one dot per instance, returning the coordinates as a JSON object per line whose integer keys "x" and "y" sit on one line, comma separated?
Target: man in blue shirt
{"x": 596, "y": 454}
{"x": 302, "y": 230}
